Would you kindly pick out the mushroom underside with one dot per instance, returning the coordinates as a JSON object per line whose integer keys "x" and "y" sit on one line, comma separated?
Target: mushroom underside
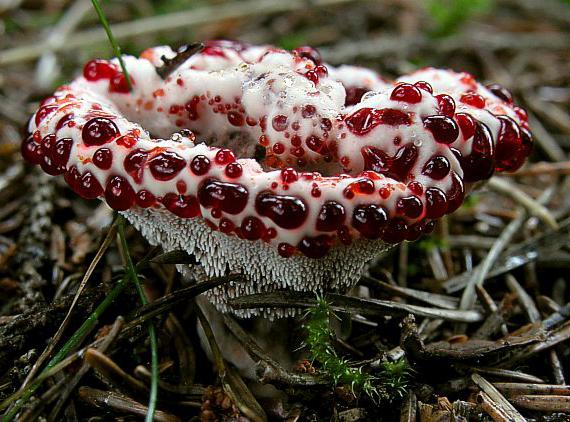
{"x": 263, "y": 269}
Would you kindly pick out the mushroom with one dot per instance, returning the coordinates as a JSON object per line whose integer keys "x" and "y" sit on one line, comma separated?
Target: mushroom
{"x": 351, "y": 165}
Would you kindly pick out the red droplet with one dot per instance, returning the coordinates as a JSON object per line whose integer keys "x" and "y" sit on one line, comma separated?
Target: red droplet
{"x": 416, "y": 187}
{"x": 437, "y": 167}
{"x": 511, "y": 149}
{"x": 369, "y": 220}
{"x": 103, "y": 158}
{"x": 410, "y": 206}
{"x": 310, "y": 53}
{"x": 396, "y": 231}
{"x": 118, "y": 83}
{"x": 235, "y": 118}
{"x": 43, "y": 112}
{"x": 234, "y": 170}
{"x": 98, "y": 69}
{"x": 425, "y": 86}
{"x": 200, "y": 165}
{"x": 88, "y": 186}
{"x": 279, "y": 122}
{"x": 225, "y": 156}
{"x": 184, "y": 206}
{"x": 228, "y": 197}
{"x": 455, "y": 194}
{"x": 145, "y": 198}
{"x": 362, "y": 186}
{"x": 473, "y": 99}
{"x": 480, "y": 163}
{"x": 314, "y": 143}
{"x": 354, "y": 94}
{"x": 501, "y": 92}
{"x": 443, "y": 128}
{"x": 31, "y": 150}
{"x": 119, "y": 194}
{"x": 47, "y": 162}
{"x": 288, "y": 212}
{"x": 406, "y": 93}
{"x": 331, "y": 217}
{"x": 99, "y": 131}
{"x": 308, "y": 111}
{"x": 289, "y": 175}
{"x": 466, "y": 124}
{"x": 192, "y": 108}
{"x": 364, "y": 120}
{"x": 446, "y": 105}
{"x": 285, "y": 250}
{"x": 134, "y": 164}
{"x": 166, "y": 165}
{"x": 252, "y": 228}
{"x": 397, "y": 167}
{"x": 315, "y": 247}
{"x": 72, "y": 177}
{"x": 66, "y": 120}
{"x": 226, "y": 226}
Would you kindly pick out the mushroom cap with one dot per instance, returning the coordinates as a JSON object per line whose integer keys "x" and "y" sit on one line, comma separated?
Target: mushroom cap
{"x": 304, "y": 171}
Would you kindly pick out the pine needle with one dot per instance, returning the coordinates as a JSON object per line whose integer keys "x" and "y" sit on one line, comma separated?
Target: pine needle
{"x": 112, "y": 40}
{"x": 132, "y": 274}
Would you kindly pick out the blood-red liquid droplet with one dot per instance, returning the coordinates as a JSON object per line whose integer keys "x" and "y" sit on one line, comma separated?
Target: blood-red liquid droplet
{"x": 425, "y": 86}
{"x": 134, "y": 164}
{"x": 236, "y": 118}
{"x": 437, "y": 167}
{"x": 31, "y": 150}
{"x": 501, "y": 92}
{"x": 118, "y": 83}
{"x": 166, "y": 165}
{"x": 331, "y": 217}
{"x": 315, "y": 247}
{"x": 225, "y": 156}
{"x": 310, "y": 53}
{"x": 467, "y": 125}
{"x": 226, "y": 226}
{"x": 119, "y": 194}
{"x": 145, "y": 198}
{"x": 370, "y": 220}
{"x": 410, "y": 206}
{"x": 103, "y": 158}
{"x": 44, "y": 112}
{"x": 184, "y": 206}
{"x": 446, "y": 105}
{"x": 354, "y": 94}
{"x": 286, "y": 211}
{"x": 511, "y": 149}
{"x": 289, "y": 175}
{"x": 252, "y": 228}
{"x": 228, "y": 197}
{"x": 397, "y": 167}
{"x": 285, "y": 250}
{"x": 406, "y": 93}
{"x": 308, "y": 111}
{"x": 279, "y": 122}
{"x": 473, "y": 99}
{"x": 480, "y": 163}
{"x": 234, "y": 170}
{"x": 443, "y": 128}
{"x": 455, "y": 194}
{"x": 200, "y": 165}
{"x": 395, "y": 231}
{"x": 98, "y": 69}
{"x": 99, "y": 131}
{"x": 364, "y": 120}
{"x": 436, "y": 203}
{"x": 89, "y": 187}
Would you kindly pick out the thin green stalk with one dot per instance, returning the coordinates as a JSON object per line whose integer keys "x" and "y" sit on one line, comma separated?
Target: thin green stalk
{"x": 74, "y": 340}
{"x": 132, "y": 274}
{"x": 112, "y": 40}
